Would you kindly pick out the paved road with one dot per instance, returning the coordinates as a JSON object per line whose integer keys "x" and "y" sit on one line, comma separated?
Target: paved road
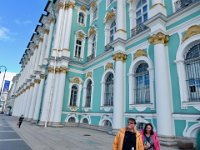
{"x": 9, "y": 139}
{"x": 40, "y": 138}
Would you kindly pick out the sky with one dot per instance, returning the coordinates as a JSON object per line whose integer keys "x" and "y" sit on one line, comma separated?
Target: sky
{"x": 18, "y": 20}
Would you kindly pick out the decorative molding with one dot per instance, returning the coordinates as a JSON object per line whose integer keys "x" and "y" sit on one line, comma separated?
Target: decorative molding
{"x": 75, "y": 80}
{"x": 60, "y": 5}
{"x": 109, "y": 66}
{"x": 42, "y": 76}
{"x": 31, "y": 84}
{"x": 63, "y": 70}
{"x": 46, "y": 31}
{"x": 81, "y": 35}
{"x": 159, "y": 38}
{"x": 57, "y": 70}
{"x": 191, "y": 31}
{"x": 92, "y": 31}
{"x": 93, "y": 4}
{"x": 109, "y": 16}
{"x": 37, "y": 81}
{"x": 41, "y": 39}
{"x": 71, "y": 5}
{"x": 83, "y": 8}
{"x": 50, "y": 69}
{"x": 140, "y": 52}
{"x": 89, "y": 74}
{"x": 73, "y": 108}
{"x": 119, "y": 57}
{"x": 52, "y": 19}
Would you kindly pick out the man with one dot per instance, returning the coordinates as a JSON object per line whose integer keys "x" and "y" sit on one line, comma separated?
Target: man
{"x": 21, "y": 118}
{"x": 128, "y": 138}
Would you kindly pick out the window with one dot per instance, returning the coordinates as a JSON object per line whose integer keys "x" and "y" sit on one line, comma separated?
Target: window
{"x": 72, "y": 120}
{"x": 78, "y": 49}
{"x": 81, "y": 18}
{"x": 192, "y": 67}
{"x": 88, "y": 94}
{"x": 112, "y": 30}
{"x": 73, "y": 98}
{"x": 142, "y": 91}
{"x": 94, "y": 44}
{"x": 85, "y": 120}
{"x": 107, "y": 123}
{"x": 109, "y": 90}
{"x": 141, "y": 12}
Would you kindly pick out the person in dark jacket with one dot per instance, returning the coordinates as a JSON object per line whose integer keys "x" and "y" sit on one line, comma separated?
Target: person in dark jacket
{"x": 21, "y": 118}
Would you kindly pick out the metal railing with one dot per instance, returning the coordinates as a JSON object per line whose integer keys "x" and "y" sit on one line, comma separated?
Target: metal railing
{"x": 181, "y": 4}
{"x": 138, "y": 29}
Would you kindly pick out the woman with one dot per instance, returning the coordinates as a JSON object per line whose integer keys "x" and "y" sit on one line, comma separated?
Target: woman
{"x": 150, "y": 138}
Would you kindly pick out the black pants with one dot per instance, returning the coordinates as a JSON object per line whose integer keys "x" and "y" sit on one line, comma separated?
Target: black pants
{"x": 19, "y": 124}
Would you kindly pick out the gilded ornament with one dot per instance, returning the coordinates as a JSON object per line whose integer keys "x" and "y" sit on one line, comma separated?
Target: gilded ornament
{"x": 37, "y": 81}
{"x": 119, "y": 57}
{"x": 73, "y": 108}
{"x": 93, "y": 4}
{"x": 159, "y": 38}
{"x": 52, "y": 19}
{"x": 31, "y": 84}
{"x": 92, "y": 31}
{"x": 89, "y": 74}
{"x": 81, "y": 35}
{"x": 46, "y": 31}
{"x": 63, "y": 70}
{"x": 191, "y": 31}
{"x": 57, "y": 70}
{"x": 41, "y": 39}
{"x": 60, "y": 5}
{"x": 109, "y": 66}
{"x": 50, "y": 70}
{"x": 83, "y": 8}
{"x": 71, "y": 5}
{"x": 109, "y": 16}
{"x": 42, "y": 76}
{"x": 140, "y": 52}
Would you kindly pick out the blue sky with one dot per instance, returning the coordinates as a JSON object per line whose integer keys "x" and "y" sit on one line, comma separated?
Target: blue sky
{"x": 18, "y": 19}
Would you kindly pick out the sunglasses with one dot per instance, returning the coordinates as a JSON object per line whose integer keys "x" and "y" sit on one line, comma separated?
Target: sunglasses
{"x": 131, "y": 123}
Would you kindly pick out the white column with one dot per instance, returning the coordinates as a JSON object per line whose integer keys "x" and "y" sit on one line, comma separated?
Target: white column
{"x": 59, "y": 102}
{"x": 50, "y": 37}
{"x": 68, "y": 27}
{"x": 43, "y": 49}
{"x": 119, "y": 86}
{"x": 58, "y": 26}
{"x": 33, "y": 100}
{"x": 47, "y": 97}
{"x": 162, "y": 83}
{"x": 132, "y": 15}
{"x": 64, "y": 27}
{"x": 25, "y": 101}
{"x": 29, "y": 101}
{"x": 55, "y": 96}
{"x": 36, "y": 62}
{"x": 38, "y": 99}
{"x": 121, "y": 19}
{"x": 156, "y": 8}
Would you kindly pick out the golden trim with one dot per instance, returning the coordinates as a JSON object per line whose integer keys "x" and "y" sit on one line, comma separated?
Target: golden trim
{"x": 93, "y": 4}
{"x": 31, "y": 84}
{"x": 83, "y": 8}
{"x": 52, "y": 19}
{"x": 42, "y": 76}
{"x": 159, "y": 38}
{"x": 157, "y": 5}
{"x": 89, "y": 74}
{"x": 46, "y": 31}
{"x": 63, "y": 70}
{"x": 92, "y": 31}
{"x": 41, "y": 39}
{"x": 50, "y": 70}
{"x": 109, "y": 16}
{"x": 121, "y": 30}
{"x": 109, "y": 66}
{"x": 37, "y": 81}
{"x": 191, "y": 31}
{"x": 75, "y": 80}
{"x": 60, "y": 5}
{"x": 139, "y": 53}
{"x": 57, "y": 70}
{"x": 71, "y": 5}
{"x": 36, "y": 46}
{"x": 119, "y": 57}
{"x": 65, "y": 49}
{"x": 81, "y": 35}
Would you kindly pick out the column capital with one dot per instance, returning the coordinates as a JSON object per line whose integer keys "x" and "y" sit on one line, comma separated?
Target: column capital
{"x": 70, "y": 5}
{"x": 119, "y": 57}
{"x": 159, "y": 38}
{"x": 60, "y": 5}
{"x": 42, "y": 76}
{"x": 64, "y": 70}
{"x": 37, "y": 81}
{"x": 50, "y": 69}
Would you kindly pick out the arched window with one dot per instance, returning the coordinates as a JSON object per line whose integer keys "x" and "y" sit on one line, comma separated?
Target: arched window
{"x": 112, "y": 30}
{"x": 81, "y": 18}
{"x": 192, "y": 67}
{"x": 109, "y": 90}
{"x": 85, "y": 120}
{"x": 88, "y": 94}
{"x": 141, "y": 12}
{"x": 142, "y": 91}
{"x": 107, "y": 123}
{"x": 72, "y": 120}
{"x": 78, "y": 49}
{"x": 73, "y": 98}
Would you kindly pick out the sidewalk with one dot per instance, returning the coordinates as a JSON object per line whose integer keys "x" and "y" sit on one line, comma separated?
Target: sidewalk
{"x": 67, "y": 138}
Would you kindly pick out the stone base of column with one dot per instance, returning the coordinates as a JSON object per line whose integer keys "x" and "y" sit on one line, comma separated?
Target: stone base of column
{"x": 55, "y": 124}
{"x": 168, "y": 140}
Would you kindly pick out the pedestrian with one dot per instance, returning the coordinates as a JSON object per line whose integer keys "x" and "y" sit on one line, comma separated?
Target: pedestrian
{"x": 128, "y": 138}
{"x": 21, "y": 118}
{"x": 150, "y": 138}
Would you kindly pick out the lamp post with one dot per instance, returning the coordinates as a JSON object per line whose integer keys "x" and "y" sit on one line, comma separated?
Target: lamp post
{"x": 5, "y": 69}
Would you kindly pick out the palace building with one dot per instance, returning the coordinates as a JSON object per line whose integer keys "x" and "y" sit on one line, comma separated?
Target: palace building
{"x": 95, "y": 63}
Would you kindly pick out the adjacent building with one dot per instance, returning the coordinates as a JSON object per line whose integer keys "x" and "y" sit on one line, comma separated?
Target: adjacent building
{"x": 98, "y": 62}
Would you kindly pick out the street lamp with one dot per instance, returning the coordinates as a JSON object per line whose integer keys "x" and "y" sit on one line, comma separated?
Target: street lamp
{"x": 5, "y": 69}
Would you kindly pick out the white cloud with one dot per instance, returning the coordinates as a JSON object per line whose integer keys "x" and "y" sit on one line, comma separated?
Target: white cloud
{"x": 22, "y": 22}
{"x": 4, "y": 33}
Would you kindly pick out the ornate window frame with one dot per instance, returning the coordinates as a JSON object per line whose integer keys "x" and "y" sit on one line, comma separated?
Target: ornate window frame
{"x": 106, "y": 73}
{"x": 84, "y": 94}
{"x": 134, "y": 64}
{"x": 182, "y": 49}
{"x": 91, "y": 35}
{"x": 85, "y": 17}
